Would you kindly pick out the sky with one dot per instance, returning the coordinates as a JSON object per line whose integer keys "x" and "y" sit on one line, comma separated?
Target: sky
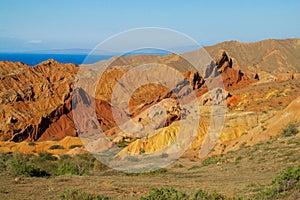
{"x": 33, "y": 25}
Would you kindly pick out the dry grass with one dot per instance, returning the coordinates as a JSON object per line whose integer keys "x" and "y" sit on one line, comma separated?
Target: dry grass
{"x": 245, "y": 171}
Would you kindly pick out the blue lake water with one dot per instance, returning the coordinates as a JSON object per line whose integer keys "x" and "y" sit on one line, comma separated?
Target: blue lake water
{"x": 34, "y": 59}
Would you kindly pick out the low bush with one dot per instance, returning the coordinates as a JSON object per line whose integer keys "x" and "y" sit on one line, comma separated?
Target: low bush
{"x": 164, "y": 155}
{"x": 45, "y": 161}
{"x": 74, "y": 146}
{"x": 148, "y": 173}
{"x": 67, "y": 167}
{"x": 46, "y": 156}
{"x": 122, "y": 144}
{"x": 194, "y": 167}
{"x": 3, "y": 161}
{"x": 132, "y": 159}
{"x": 290, "y": 130}
{"x": 158, "y": 171}
{"x": 287, "y": 180}
{"x": 22, "y": 165}
{"x": 238, "y": 158}
{"x": 211, "y": 160}
{"x": 78, "y": 165}
{"x": 31, "y": 143}
{"x": 45, "y": 164}
{"x": 73, "y": 194}
{"x": 178, "y": 166}
{"x": 56, "y": 146}
{"x": 203, "y": 195}
{"x": 99, "y": 166}
{"x": 165, "y": 193}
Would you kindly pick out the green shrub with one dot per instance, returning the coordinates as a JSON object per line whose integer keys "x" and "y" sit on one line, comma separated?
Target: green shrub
{"x": 84, "y": 163}
{"x": 287, "y": 180}
{"x": 67, "y": 167}
{"x": 165, "y": 193}
{"x": 5, "y": 138}
{"x": 203, "y": 195}
{"x": 73, "y": 194}
{"x": 45, "y": 164}
{"x": 46, "y": 161}
{"x": 46, "y": 156}
{"x": 132, "y": 159}
{"x": 3, "y": 161}
{"x": 98, "y": 166}
{"x": 290, "y": 130}
{"x": 164, "y": 155}
{"x": 178, "y": 166}
{"x": 238, "y": 158}
{"x": 78, "y": 165}
{"x": 74, "y": 146}
{"x": 21, "y": 164}
{"x": 148, "y": 173}
{"x": 64, "y": 157}
{"x": 56, "y": 146}
{"x": 159, "y": 171}
{"x": 194, "y": 167}
{"x": 211, "y": 160}
{"x": 122, "y": 144}
{"x": 31, "y": 143}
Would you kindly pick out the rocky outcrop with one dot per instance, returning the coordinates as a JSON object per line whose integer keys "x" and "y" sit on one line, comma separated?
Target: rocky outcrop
{"x": 232, "y": 78}
{"x": 287, "y": 76}
{"x": 223, "y": 62}
{"x": 167, "y": 135}
{"x": 36, "y": 102}
{"x": 82, "y": 105}
{"x": 195, "y": 79}
{"x": 32, "y": 98}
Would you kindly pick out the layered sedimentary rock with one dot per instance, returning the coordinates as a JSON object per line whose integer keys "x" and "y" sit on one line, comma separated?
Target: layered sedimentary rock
{"x": 32, "y": 98}
{"x": 37, "y": 103}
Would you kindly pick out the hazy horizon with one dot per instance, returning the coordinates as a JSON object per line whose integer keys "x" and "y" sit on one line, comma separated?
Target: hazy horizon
{"x": 86, "y": 51}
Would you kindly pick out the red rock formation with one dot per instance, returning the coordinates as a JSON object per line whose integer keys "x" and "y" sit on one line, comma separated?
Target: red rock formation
{"x": 223, "y": 62}
{"x": 83, "y": 106}
{"x": 37, "y": 104}
{"x": 31, "y": 97}
{"x": 232, "y": 78}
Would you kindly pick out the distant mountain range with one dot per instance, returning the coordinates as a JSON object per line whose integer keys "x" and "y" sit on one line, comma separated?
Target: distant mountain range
{"x": 75, "y": 51}
{"x": 272, "y": 56}
{"x": 268, "y": 58}
{"x": 81, "y": 51}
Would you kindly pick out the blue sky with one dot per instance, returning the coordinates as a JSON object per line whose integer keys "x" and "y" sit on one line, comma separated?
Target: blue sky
{"x": 63, "y": 24}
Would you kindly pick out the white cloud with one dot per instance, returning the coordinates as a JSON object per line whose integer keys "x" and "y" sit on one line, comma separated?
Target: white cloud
{"x": 34, "y": 42}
